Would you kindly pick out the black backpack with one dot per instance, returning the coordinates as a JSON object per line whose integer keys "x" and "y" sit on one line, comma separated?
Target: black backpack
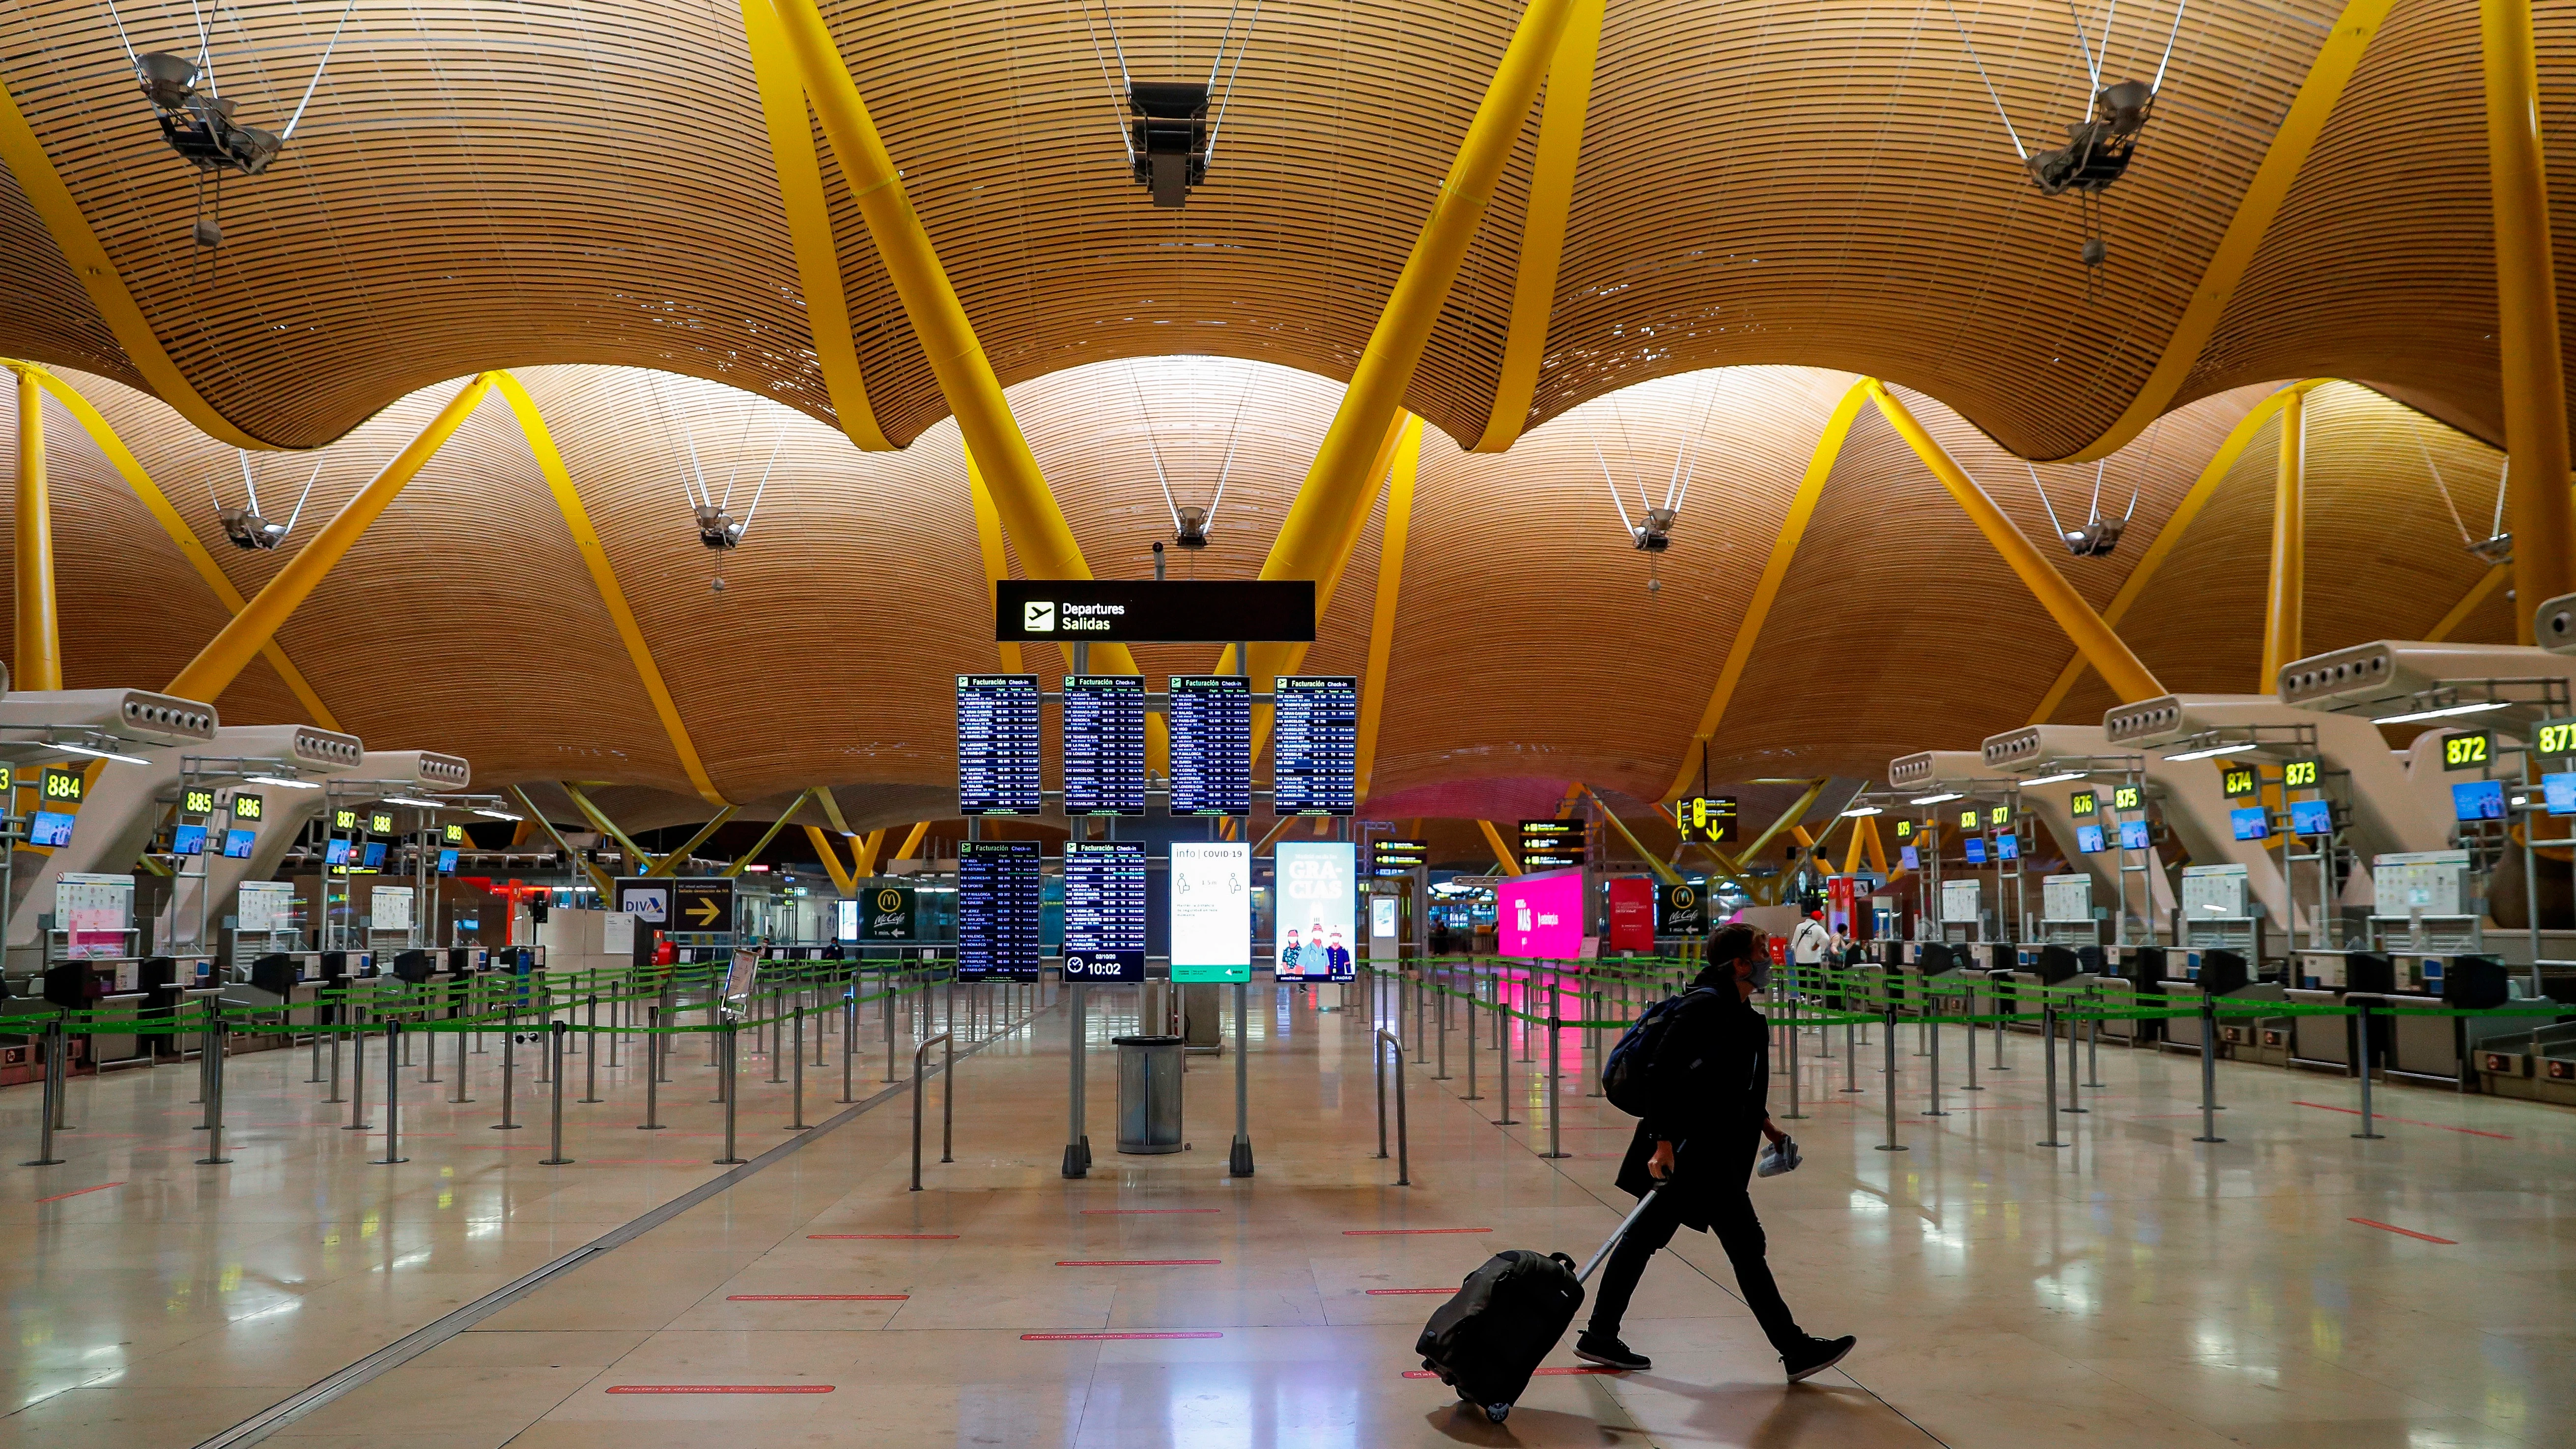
{"x": 1624, "y": 1071}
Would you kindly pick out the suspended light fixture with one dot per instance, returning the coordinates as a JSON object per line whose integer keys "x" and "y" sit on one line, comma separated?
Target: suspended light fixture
{"x": 1166, "y": 128}
{"x": 244, "y": 525}
{"x": 201, "y": 123}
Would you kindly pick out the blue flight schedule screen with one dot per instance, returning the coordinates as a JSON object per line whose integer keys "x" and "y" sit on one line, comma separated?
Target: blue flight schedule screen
{"x": 1314, "y": 744}
{"x": 1104, "y": 744}
{"x": 997, "y": 909}
{"x": 1211, "y": 720}
{"x": 1104, "y": 910}
{"x": 997, "y": 744}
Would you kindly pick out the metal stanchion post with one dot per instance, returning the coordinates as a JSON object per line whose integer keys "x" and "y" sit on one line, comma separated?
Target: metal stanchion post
{"x": 51, "y": 1105}
{"x": 2208, "y": 1070}
{"x": 920, "y": 1056}
{"x": 1077, "y": 1139}
{"x": 357, "y": 1081}
{"x": 460, "y": 1034}
{"x": 393, "y": 1094}
{"x": 210, "y": 1043}
{"x": 2048, "y": 1060}
{"x": 797, "y": 1029}
{"x": 1403, "y": 1144}
{"x": 1851, "y": 1057}
{"x": 652, "y": 1070}
{"x": 509, "y": 1072}
{"x": 893, "y": 995}
{"x": 729, "y": 1048}
{"x": 313, "y": 1072}
{"x": 1503, "y": 1056}
{"x": 1239, "y": 1160}
{"x": 2074, "y": 1084}
{"x": 1442, "y": 1052}
{"x": 947, "y": 1096}
{"x": 1377, "y": 1061}
{"x": 1929, "y": 1010}
{"x": 1471, "y": 1038}
{"x": 849, "y": 1040}
{"x": 338, "y": 1011}
{"x": 590, "y": 1057}
{"x": 2093, "y": 1044}
{"x": 1891, "y": 1144}
{"x": 1968, "y": 1008}
{"x": 2002, "y": 1012}
{"x": 1793, "y": 1114}
{"x": 1592, "y": 1046}
{"x": 557, "y": 1034}
{"x": 2367, "y": 1132}
{"x": 1555, "y": 1106}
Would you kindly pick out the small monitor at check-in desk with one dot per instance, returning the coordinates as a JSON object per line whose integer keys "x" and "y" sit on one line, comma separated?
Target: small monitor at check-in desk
{"x": 188, "y": 840}
{"x": 72, "y": 985}
{"x": 374, "y": 857}
{"x": 2088, "y": 839}
{"x": 2250, "y": 823}
{"x": 1976, "y": 851}
{"x": 2363, "y": 971}
{"x": 274, "y": 973}
{"x": 335, "y": 851}
{"x": 2055, "y": 964}
{"x": 335, "y": 964}
{"x": 1934, "y": 957}
{"x": 2217, "y": 972}
{"x": 2474, "y": 982}
{"x": 1908, "y": 857}
{"x": 238, "y": 843}
{"x": 2311, "y": 817}
{"x": 157, "y": 973}
{"x": 412, "y": 966}
{"x": 49, "y": 828}
{"x": 2473, "y": 800}
{"x": 447, "y": 861}
{"x": 2088, "y": 959}
{"x": 2558, "y": 793}
{"x": 2133, "y": 835}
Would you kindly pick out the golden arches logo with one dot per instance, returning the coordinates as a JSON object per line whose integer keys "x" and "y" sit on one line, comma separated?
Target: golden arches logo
{"x": 889, "y": 900}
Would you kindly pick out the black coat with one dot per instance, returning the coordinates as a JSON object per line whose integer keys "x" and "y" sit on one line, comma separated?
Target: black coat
{"x": 1708, "y": 1092}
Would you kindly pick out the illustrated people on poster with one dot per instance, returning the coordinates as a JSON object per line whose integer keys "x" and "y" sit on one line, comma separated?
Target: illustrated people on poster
{"x": 1337, "y": 959}
{"x": 1291, "y": 964}
{"x": 1315, "y": 950}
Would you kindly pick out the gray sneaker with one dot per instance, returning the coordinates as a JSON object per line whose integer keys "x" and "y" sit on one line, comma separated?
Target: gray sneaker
{"x": 1815, "y": 1356}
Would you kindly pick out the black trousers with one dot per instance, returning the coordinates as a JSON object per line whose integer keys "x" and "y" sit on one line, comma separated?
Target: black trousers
{"x": 1738, "y": 1231}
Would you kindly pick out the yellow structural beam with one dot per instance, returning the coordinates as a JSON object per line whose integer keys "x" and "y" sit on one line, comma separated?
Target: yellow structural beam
{"x": 2301, "y": 125}
{"x": 39, "y": 633}
{"x": 912, "y": 840}
{"x": 606, "y": 883}
{"x": 2103, "y": 649}
{"x": 842, "y": 880}
{"x": 2478, "y": 592}
{"x": 231, "y": 650}
{"x": 2285, "y": 600}
{"x": 1342, "y": 481}
{"x": 1551, "y": 197}
{"x": 191, "y": 548}
{"x": 1766, "y": 590}
{"x": 2535, "y": 385}
{"x": 966, "y": 378}
{"x": 866, "y": 851}
{"x": 2221, "y": 463}
{"x": 26, "y": 159}
{"x": 1502, "y": 852}
{"x": 832, "y": 810}
{"x": 997, "y": 562}
{"x": 1390, "y": 586}
{"x": 1663, "y": 872}
{"x": 671, "y": 862}
{"x": 603, "y": 576}
{"x": 768, "y": 835}
{"x": 809, "y": 225}
{"x": 1788, "y": 820}
{"x": 599, "y": 818}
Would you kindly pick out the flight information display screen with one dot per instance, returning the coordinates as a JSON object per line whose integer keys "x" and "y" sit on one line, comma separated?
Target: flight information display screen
{"x": 1211, "y": 720}
{"x": 997, "y": 744}
{"x": 1315, "y": 731}
{"x": 1104, "y": 744}
{"x": 997, "y": 909}
{"x": 1104, "y": 910}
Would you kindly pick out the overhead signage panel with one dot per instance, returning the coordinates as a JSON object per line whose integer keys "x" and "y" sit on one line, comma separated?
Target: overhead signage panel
{"x": 998, "y": 899}
{"x": 887, "y": 915}
{"x": 1681, "y": 909}
{"x": 998, "y": 772}
{"x": 1398, "y": 857}
{"x": 1551, "y": 844}
{"x": 698, "y": 905}
{"x": 1145, "y": 611}
{"x": 1211, "y": 730}
{"x": 1104, "y": 910}
{"x": 1707, "y": 819}
{"x": 1314, "y": 744}
{"x": 1318, "y": 902}
{"x": 1104, "y": 744}
{"x": 1211, "y": 910}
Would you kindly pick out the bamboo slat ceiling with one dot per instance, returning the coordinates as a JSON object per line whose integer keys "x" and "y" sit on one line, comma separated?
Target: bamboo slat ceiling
{"x": 1528, "y": 648}
{"x": 1762, "y": 182}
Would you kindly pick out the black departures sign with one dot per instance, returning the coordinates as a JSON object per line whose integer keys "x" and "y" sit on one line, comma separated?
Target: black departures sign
{"x": 1176, "y": 611}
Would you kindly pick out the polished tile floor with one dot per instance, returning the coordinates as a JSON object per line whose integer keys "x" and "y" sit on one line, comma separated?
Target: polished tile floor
{"x": 2289, "y": 1287}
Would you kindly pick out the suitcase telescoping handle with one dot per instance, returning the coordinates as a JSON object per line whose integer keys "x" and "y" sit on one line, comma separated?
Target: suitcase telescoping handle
{"x": 1625, "y": 1224}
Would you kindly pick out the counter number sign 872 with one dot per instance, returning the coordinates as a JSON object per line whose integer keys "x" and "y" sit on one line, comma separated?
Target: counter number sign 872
{"x": 2467, "y": 752}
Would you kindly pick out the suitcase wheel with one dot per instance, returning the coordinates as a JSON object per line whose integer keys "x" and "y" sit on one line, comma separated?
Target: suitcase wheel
{"x": 1497, "y": 1413}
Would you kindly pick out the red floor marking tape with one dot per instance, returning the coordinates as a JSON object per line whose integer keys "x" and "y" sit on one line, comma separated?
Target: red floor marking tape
{"x": 1136, "y": 1262}
{"x": 720, "y": 1388}
{"x": 1153, "y": 1210}
{"x": 1091, "y": 1337}
{"x": 1383, "y": 1292}
{"x": 2408, "y": 1232}
{"x": 818, "y": 1297}
{"x": 76, "y": 1192}
{"x": 1552, "y": 1370}
{"x": 2409, "y": 1121}
{"x": 1406, "y": 1232}
{"x": 879, "y": 1237}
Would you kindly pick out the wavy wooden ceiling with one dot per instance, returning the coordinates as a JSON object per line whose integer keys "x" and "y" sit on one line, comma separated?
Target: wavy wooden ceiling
{"x": 1528, "y": 646}
{"x": 1767, "y": 181}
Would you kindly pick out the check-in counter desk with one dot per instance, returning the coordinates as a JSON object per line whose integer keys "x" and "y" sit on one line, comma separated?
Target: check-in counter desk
{"x": 2239, "y": 1036}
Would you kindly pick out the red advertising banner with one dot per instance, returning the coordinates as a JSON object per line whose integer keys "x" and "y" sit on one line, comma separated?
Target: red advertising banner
{"x": 1632, "y": 914}
{"x": 1839, "y": 904}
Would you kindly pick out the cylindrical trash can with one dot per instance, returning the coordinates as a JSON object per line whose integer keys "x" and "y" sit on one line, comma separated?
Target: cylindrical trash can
{"x": 1149, "y": 1093}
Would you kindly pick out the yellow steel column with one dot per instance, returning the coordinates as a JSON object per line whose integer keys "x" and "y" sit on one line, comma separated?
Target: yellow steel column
{"x": 229, "y": 652}
{"x": 2535, "y": 386}
{"x": 1390, "y": 588}
{"x": 1502, "y": 852}
{"x": 1341, "y": 481}
{"x": 39, "y": 657}
{"x": 2109, "y": 657}
{"x": 2283, "y": 618}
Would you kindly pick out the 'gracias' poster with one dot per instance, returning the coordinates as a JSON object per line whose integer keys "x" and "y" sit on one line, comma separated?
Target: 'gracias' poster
{"x": 1317, "y": 909}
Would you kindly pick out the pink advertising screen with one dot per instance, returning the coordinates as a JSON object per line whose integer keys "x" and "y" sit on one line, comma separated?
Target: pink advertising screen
{"x": 1540, "y": 916}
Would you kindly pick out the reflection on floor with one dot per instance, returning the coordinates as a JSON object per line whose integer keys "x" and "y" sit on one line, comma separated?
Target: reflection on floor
{"x": 2291, "y": 1286}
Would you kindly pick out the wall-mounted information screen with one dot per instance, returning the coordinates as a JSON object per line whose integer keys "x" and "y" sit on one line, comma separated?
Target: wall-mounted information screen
{"x": 1104, "y": 744}
{"x": 1211, "y": 910}
{"x": 1211, "y": 719}
{"x": 1104, "y": 910}
{"x": 997, "y": 909}
{"x": 1314, "y": 744}
{"x": 997, "y": 744}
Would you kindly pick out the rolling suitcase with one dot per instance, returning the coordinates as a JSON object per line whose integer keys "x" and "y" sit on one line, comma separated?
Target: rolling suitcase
{"x": 1487, "y": 1340}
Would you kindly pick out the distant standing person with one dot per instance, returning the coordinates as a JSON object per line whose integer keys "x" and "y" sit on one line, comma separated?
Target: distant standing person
{"x": 1708, "y": 1091}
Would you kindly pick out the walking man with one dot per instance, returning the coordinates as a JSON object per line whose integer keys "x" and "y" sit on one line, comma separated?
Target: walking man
{"x": 1707, "y": 1089}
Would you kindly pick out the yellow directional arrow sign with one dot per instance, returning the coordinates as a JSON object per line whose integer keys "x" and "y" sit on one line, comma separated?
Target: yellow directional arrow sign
{"x": 705, "y": 912}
